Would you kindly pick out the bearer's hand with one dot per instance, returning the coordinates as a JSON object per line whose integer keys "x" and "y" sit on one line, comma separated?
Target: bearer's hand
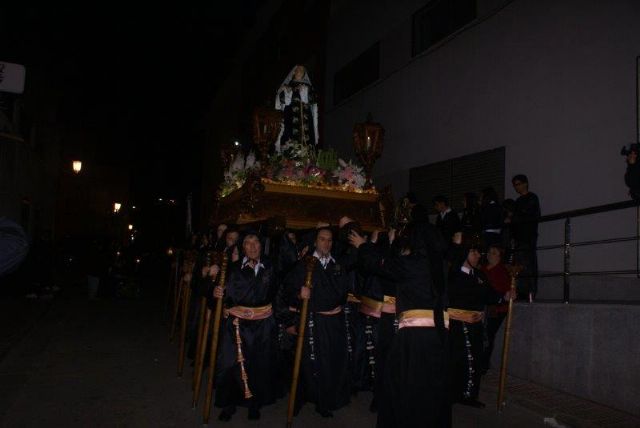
{"x": 292, "y": 330}
{"x": 205, "y": 271}
{"x": 303, "y": 252}
{"x": 477, "y": 317}
{"x": 374, "y": 236}
{"x": 392, "y": 235}
{"x": 213, "y": 271}
{"x": 218, "y": 292}
{"x": 305, "y": 293}
{"x": 186, "y": 277}
{"x": 355, "y": 239}
{"x": 510, "y": 295}
{"x": 344, "y": 221}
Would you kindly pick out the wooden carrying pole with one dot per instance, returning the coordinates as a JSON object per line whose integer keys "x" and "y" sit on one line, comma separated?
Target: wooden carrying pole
{"x": 177, "y": 294}
{"x": 200, "y": 356}
{"x": 202, "y": 308}
{"x": 214, "y": 343}
{"x": 514, "y": 270}
{"x": 186, "y": 298}
{"x": 311, "y": 262}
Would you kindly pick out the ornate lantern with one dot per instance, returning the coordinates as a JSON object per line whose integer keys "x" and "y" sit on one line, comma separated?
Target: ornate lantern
{"x": 266, "y": 127}
{"x": 368, "y": 142}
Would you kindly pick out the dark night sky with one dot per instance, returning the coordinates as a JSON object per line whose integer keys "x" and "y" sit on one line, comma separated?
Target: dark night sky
{"x": 132, "y": 79}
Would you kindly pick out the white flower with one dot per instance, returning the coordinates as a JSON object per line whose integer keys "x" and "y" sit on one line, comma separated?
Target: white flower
{"x": 251, "y": 160}
{"x": 238, "y": 163}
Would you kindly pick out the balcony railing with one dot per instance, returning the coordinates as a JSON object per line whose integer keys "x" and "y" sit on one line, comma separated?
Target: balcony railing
{"x": 568, "y": 244}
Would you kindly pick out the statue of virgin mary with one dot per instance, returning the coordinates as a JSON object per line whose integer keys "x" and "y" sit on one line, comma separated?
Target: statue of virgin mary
{"x": 297, "y": 101}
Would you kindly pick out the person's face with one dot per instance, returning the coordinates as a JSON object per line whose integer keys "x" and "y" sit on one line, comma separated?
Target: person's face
{"x": 632, "y": 157}
{"x": 221, "y": 229}
{"x": 473, "y": 258}
{"x": 292, "y": 237}
{"x": 298, "y": 73}
{"x": 324, "y": 242}
{"x": 520, "y": 187}
{"x": 494, "y": 256}
{"x": 251, "y": 247}
{"x": 440, "y": 206}
{"x": 231, "y": 239}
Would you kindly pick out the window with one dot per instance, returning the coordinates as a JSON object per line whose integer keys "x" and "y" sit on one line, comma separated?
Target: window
{"x": 358, "y": 74}
{"x": 453, "y": 177}
{"x": 438, "y": 19}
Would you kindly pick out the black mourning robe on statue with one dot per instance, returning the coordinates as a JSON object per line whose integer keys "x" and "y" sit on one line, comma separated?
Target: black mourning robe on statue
{"x": 259, "y": 339}
{"x": 415, "y": 374}
{"x": 323, "y": 370}
{"x": 470, "y": 291}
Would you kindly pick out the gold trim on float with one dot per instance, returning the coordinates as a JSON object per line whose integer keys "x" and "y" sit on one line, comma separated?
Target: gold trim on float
{"x": 317, "y": 191}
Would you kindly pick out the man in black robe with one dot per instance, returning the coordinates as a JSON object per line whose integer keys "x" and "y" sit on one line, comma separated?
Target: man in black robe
{"x": 246, "y": 364}
{"x": 323, "y": 371}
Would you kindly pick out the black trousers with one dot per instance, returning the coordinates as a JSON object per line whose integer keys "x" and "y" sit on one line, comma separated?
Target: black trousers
{"x": 527, "y": 256}
{"x": 492, "y": 327}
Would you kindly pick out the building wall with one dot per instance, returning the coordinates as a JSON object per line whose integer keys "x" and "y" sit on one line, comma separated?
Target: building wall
{"x": 580, "y": 349}
{"x": 553, "y": 82}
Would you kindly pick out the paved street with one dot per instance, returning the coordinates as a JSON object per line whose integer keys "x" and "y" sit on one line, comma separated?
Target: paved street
{"x": 108, "y": 363}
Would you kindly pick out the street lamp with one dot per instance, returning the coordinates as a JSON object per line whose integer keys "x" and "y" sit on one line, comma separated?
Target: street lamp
{"x": 116, "y": 207}
{"x": 77, "y": 166}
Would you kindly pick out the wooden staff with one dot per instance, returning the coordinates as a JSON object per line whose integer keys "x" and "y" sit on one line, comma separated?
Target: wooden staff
{"x": 177, "y": 293}
{"x": 200, "y": 357}
{"x": 173, "y": 283}
{"x": 311, "y": 262}
{"x": 514, "y": 270}
{"x": 186, "y": 297}
{"x": 203, "y": 339}
{"x": 201, "y": 316}
{"x": 214, "y": 343}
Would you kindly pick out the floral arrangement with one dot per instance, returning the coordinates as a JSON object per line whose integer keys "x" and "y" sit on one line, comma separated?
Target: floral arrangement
{"x": 241, "y": 167}
{"x": 297, "y": 165}
{"x": 349, "y": 175}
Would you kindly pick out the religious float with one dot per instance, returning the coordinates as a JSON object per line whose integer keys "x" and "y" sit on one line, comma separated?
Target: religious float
{"x": 287, "y": 182}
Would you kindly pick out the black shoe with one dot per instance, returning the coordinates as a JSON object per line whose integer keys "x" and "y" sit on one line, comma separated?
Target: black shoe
{"x": 227, "y": 413}
{"x": 472, "y": 402}
{"x": 373, "y": 407}
{"x": 254, "y": 414}
{"x": 324, "y": 413}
